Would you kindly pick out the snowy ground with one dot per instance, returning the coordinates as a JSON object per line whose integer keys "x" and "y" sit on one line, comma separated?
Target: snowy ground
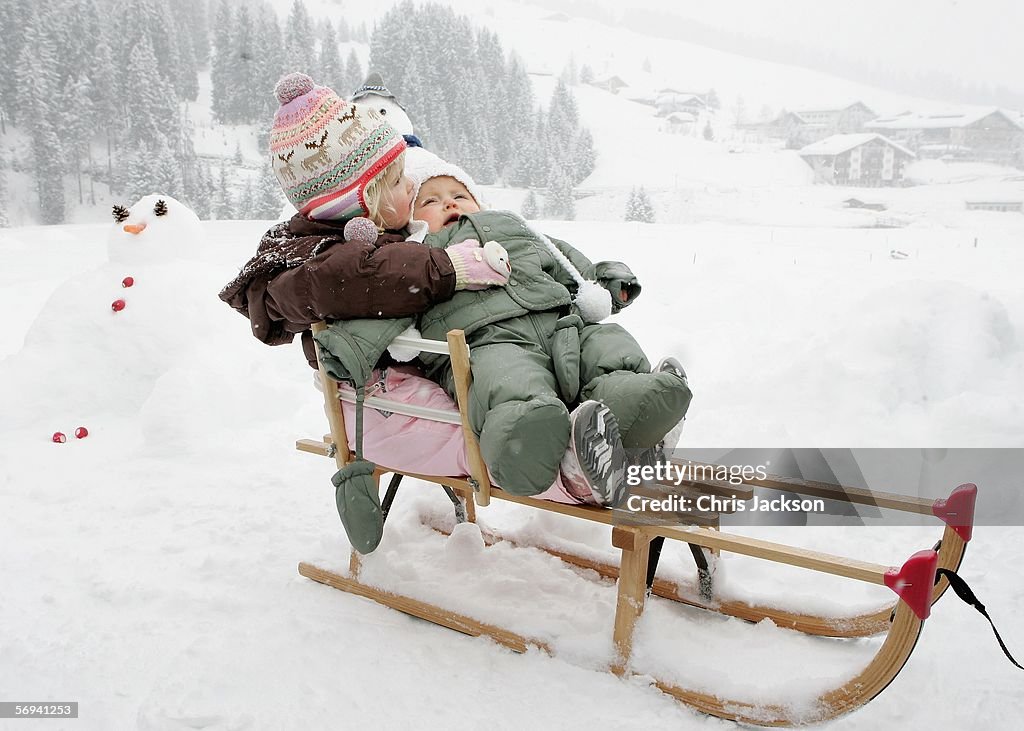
{"x": 149, "y": 569}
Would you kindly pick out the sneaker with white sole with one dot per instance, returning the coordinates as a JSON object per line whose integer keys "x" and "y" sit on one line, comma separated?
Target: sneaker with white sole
{"x": 596, "y": 460}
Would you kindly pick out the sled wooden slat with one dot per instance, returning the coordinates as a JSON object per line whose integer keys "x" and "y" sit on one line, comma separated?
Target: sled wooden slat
{"x": 860, "y": 496}
{"x": 463, "y": 376}
{"x": 335, "y": 416}
{"x": 632, "y": 591}
{"x": 313, "y": 447}
{"x": 396, "y": 407}
{"x": 850, "y": 568}
{"x": 423, "y": 610}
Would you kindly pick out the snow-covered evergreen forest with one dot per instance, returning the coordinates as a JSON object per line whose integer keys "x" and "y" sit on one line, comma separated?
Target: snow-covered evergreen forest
{"x": 104, "y": 93}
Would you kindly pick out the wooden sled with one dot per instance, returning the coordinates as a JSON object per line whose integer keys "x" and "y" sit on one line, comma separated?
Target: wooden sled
{"x": 640, "y": 541}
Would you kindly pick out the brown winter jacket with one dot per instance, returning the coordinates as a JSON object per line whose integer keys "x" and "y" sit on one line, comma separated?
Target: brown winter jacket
{"x": 305, "y": 271}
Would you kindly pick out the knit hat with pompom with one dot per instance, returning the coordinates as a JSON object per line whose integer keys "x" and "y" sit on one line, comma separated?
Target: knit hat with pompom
{"x": 325, "y": 150}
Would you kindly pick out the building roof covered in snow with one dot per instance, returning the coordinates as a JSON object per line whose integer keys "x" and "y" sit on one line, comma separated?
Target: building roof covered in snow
{"x": 838, "y": 144}
{"x": 831, "y": 108}
{"x": 938, "y": 120}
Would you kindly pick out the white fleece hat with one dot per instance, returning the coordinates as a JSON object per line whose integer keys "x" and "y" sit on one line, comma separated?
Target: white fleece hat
{"x": 421, "y": 166}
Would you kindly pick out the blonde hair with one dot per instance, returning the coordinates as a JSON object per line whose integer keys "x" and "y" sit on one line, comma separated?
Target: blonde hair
{"x": 377, "y": 193}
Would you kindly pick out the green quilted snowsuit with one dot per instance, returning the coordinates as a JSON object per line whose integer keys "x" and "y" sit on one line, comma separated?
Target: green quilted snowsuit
{"x": 533, "y": 359}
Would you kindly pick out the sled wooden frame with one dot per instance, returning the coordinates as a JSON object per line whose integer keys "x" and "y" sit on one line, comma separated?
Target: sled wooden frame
{"x": 902, "y": 621}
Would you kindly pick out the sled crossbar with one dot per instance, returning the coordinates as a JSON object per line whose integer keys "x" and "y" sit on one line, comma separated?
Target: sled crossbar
{"x": 860, "y": 496}
{"x": 417, "y": 412}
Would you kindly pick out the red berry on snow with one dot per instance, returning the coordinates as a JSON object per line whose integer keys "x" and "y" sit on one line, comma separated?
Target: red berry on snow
{"x": 59, "y": 438}
{"x": 117, "y": 305}
{"x": 127, "y": 281}
{"x": 81, "y": 432}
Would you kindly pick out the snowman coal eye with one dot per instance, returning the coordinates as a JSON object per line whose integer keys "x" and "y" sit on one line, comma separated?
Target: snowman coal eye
{"x": 384, "y": 112}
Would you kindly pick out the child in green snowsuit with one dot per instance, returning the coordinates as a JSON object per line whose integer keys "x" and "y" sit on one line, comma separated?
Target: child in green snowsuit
{"x": 537, "y": 346}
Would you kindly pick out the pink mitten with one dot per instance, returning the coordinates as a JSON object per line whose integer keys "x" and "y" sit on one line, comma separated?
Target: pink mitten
{"x": 472, "y": 270}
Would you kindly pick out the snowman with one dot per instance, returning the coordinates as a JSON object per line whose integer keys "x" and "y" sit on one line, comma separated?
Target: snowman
{"x": 105, "y": 336}
{"x": 374, "y": 94}
{"x": 157, "y": 228}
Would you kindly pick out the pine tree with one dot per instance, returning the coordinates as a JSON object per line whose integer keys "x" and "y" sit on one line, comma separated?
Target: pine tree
{"x": 79, "y": 43}
{"x": 187, "y": 77}
{"x": 560, "y": 203}
{"x": 344, "y": 32}
{"x": 37, "y": 89}
{"x": 493, "y": 97}
{"x": 530, "y": 209}
{"x": 106, "y": 105}
{"x": 77, "y": 125}
{"x": 586, "y": 74}
{"x": 584, "y": 157}
{"x": 200, "y": 197}
{"x": 167, "y": 179}
{"x": 330, "y": 69}
{"x": 709, "y": 133}
{"x": 242, "y": 104}
{"x": 4, "y": 219}
{"x": 135, "y": 175}
{"x": 220, "y": 66}
{"x": 639, "y": 207}
{"x": 143, "y": 78}
{"x": 138, "y": 21}
{"x": 517, "y": 126}
{"x": 223, "y": 201}
{"x": 197, "y": 26}
{"x": 299, "y": 40}
{"x": 244, "y": 210}
{"x": 14, "y": 17}
{"x": 644, "y": 206}
{"x": 540, "y": 165}
{"x": 353, "y": 77}
{"x": 268, "y": 200}
{"x": 269, "y": 50}
{"x": 712, "y": 100}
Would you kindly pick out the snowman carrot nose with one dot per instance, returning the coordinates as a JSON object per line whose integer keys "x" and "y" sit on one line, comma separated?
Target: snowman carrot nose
{"x": 135, "y": 228}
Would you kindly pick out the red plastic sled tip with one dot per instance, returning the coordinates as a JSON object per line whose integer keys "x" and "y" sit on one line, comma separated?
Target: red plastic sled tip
{"x": 913, "y": 581}
{"x": 957, "y": 511}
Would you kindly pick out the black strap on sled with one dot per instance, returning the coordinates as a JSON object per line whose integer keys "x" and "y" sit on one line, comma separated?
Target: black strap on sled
{"x": 653, "y": 556}
{"x": 389, "y": 496}
{"x": 964, "y": 592}
{"x": 460, "y": 507}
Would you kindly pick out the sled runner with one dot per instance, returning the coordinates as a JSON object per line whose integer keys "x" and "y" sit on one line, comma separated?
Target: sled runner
{"x": 918, "y": 583}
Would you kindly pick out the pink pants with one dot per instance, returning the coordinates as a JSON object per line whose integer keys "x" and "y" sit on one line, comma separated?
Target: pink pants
{"x": 409, "y": 444}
